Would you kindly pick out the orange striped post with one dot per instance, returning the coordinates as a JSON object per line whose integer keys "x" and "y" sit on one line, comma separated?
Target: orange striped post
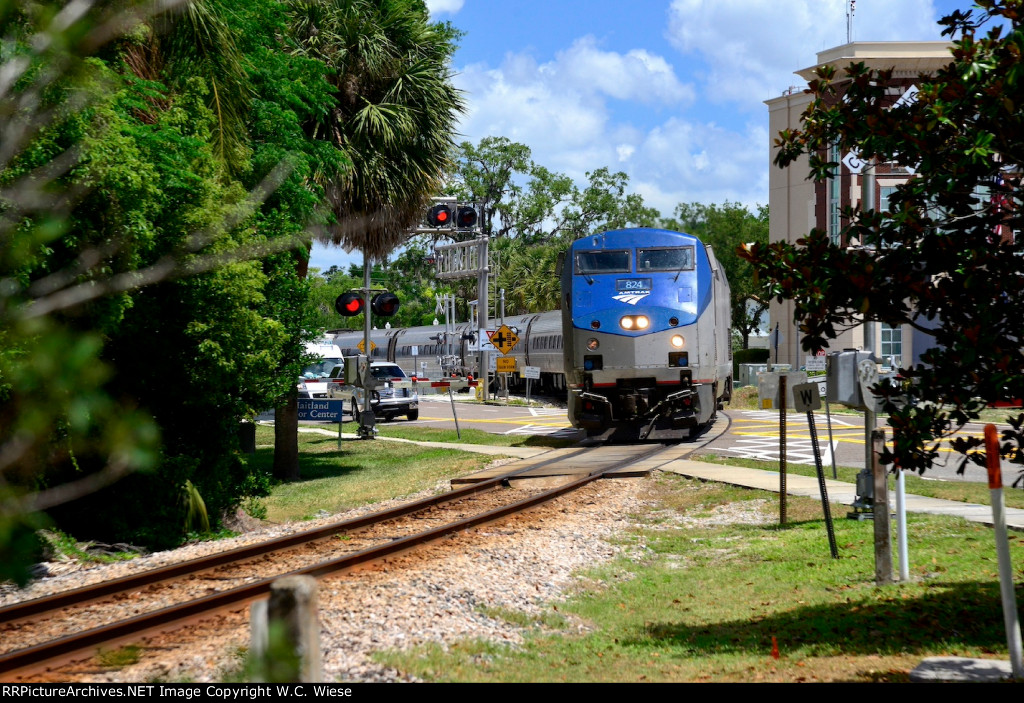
{"x": 995, "y": 485}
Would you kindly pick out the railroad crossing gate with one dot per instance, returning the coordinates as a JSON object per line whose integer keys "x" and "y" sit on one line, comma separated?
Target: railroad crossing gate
{"x": 504, "y": 339}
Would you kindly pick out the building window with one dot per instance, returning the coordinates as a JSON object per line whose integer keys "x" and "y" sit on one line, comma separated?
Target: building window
{"x": 884, "y": 194}
{"x": 892, "y": 345}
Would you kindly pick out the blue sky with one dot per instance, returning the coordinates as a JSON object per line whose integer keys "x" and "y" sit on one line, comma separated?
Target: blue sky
{"x": 670, "y": 91}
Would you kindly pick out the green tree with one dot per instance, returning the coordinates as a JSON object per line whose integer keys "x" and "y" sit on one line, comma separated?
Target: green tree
{"x": 532, "y": 213}
{"x": 138, "y": 277}
{"x": 727, "y": 227}
{"x": 393, "y": 116}
{"x": 942, "y": 261}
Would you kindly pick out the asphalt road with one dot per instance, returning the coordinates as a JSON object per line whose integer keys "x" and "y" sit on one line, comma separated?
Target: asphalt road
{"x": 750, "y": 434}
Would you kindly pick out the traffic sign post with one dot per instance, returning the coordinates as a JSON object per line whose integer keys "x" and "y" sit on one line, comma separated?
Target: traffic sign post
{"x": 807, "y": 399}
{"x": 529, "y": 373}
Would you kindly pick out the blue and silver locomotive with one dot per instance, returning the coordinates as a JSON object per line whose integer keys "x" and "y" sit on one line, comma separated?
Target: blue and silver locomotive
{"x": 646, "y": 327}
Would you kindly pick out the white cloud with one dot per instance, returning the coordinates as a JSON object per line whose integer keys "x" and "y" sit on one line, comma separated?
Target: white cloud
{"x": 750, "y": 48}
{"x": 574, "y": 112}
{"x": 682, "y": 161}
{"x": 444, "y": 6}
{"x": 562, "y": 109}
{"x": 637, "y": 75}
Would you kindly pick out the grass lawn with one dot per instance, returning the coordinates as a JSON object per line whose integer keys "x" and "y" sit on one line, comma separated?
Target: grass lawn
{"x": 697, "y": 602}
{"x": 709, "y": 604}
{"x": 361, "y": 472}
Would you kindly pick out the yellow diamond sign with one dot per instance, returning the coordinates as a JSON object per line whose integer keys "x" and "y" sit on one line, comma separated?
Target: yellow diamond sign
{"x": 362, "y": 347}
{"x": 503, "y": 339}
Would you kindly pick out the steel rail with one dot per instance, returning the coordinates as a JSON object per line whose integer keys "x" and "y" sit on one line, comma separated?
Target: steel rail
{"x": 79, "y": 645}
{"x": 87, "y": 594}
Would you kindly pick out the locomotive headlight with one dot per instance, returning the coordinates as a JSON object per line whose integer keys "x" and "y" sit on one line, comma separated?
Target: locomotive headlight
{"x": 634, "y": 322}
{"x": 592, "y": 344}
{"x": 678, "y": 341}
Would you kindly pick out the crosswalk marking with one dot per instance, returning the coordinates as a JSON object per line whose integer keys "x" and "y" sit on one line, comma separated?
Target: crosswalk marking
{"x": 541, "y": 430}
{"x": 798, "y": 451}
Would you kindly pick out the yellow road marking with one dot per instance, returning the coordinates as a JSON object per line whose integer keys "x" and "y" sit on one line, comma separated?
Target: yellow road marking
{"x": 499, "y": 422}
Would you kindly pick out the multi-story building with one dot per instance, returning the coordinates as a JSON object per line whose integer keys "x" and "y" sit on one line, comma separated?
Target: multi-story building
{"x": 796, "y": 204}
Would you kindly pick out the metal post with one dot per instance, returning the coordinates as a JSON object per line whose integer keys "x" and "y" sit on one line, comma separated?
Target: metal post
{"x": 901, "y": 526}
{"x": 831, "y": 442}
{"x": 366, "y": 418}
{"x": 782, "y": 449}
{"x": 451, "y": 398}
{"x": 482, "y": 312}
{"x": 883, "y": 534}
{"x": 826, "y": 508}
{"x": 867, "y": 202}
{"x": 1006, "y": 590}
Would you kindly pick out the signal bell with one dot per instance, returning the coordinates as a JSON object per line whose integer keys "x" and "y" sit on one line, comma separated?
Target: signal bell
{"x": 349, "y": 304}
{"x": 384, "y": 304}
{"x": 466, "y": 218}
{"x": 440, "y": 216}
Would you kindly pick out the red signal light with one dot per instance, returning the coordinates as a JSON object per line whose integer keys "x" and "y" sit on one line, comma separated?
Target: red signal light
{"x": 466, "y": 218}
{"x": 440, "y": 216}
{"x": 349, "y": 304}
{"x": 384, "y": 304}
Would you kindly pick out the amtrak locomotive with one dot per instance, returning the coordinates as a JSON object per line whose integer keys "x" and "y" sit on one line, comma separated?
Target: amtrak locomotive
{"x": 646, "y": 324}
{"x": 642, "y": 346}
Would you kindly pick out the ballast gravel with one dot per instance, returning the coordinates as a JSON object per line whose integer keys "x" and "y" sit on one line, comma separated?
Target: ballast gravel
{"x": 525, "y": 565}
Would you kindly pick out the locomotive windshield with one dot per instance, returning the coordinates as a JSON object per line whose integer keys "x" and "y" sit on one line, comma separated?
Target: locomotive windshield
{"x": 602, "y": 262}
{"x": 675, "y": 259}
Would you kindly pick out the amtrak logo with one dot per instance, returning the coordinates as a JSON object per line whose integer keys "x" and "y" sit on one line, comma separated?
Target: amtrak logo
{"x": 631, "y": 298}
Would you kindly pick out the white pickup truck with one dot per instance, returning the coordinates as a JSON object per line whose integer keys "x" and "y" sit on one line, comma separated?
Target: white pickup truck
{"x": 394, "y": 393}
{"x": 313, "y": 381}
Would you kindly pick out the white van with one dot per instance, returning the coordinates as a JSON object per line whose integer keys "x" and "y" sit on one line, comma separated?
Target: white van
{"x": 313, "y": 381}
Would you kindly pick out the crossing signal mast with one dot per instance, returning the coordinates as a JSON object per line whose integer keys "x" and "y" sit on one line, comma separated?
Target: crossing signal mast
{"x": 463, "y": 259}
{"x": 350, "y": 304}
{"x": 383, "y": 304}
{"x": 447, "y": 216}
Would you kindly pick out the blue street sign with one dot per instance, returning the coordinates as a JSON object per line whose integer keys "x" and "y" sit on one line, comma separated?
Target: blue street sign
{"x": 320, "y": 410}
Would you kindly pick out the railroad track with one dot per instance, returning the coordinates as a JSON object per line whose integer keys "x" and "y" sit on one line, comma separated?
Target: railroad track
{"x": 243, "y": 575}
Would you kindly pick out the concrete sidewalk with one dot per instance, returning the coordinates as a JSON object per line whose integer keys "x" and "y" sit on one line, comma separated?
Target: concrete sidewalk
{"x": 838, "y": 491}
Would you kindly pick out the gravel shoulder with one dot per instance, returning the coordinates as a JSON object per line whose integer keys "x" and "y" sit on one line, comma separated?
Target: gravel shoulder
{"x": 439, "y": 595}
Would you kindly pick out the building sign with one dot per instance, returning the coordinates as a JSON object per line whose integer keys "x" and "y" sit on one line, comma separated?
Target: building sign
{"x": 320, "y": 410}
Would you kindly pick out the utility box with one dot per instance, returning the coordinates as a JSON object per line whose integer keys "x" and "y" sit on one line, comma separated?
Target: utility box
{"x": 748, "y": 373}
{"x": 842, "y": 375}
{"x": 357, "y": 372}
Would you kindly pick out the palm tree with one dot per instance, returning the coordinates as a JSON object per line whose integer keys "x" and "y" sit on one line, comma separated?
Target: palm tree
{"x": 395, "y": 115}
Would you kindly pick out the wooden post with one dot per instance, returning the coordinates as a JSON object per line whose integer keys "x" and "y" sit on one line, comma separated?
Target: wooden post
{"x": 883, "y": 538}
{"x": 290, "y": 616}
